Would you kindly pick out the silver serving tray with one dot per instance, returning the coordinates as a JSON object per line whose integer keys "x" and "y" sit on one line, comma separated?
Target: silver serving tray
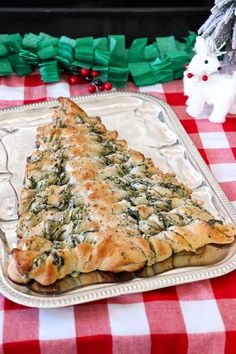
{"x": 149, "y": 125}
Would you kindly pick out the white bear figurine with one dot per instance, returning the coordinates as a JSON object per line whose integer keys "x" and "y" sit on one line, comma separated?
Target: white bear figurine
{"x": 204, "y": 84}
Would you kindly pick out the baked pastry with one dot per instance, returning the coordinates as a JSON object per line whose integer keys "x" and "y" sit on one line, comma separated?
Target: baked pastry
{"x": 91, "y": 203}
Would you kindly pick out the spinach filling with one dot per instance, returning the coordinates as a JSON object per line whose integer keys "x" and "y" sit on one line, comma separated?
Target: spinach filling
{"x": 57, "y": 260}
{"x": 40, "y": 259}
{"x": 133, "y": 213}
{"x": 175, "y": 189}
{"x": 212, "y": 222}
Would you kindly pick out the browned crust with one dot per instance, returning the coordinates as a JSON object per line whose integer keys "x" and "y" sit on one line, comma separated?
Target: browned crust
{"x": 71, "y": 108}
{"x": 116, "y": 253}
{"x": 23, "y": 260}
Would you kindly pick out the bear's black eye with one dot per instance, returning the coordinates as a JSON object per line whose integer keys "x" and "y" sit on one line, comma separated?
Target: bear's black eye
{"x": 206, "y": 61}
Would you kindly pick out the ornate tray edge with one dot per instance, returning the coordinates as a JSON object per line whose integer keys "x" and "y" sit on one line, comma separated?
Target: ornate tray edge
{"x": 160, "y": 281}
{"x": 147, "y": 284}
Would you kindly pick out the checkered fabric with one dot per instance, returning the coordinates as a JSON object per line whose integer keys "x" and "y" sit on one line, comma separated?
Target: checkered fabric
{"x": 196, "y": 318}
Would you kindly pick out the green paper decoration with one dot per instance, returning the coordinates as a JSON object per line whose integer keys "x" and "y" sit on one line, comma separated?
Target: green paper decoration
{"x": 166, "y": 45}
{"x": 49, "y": 71}
{"x": 47, "y": 52}
{"x": 29, "y": 57}
{"x": 5, "y": 67}
{"x": 101, "y": 57}
{"x": 137, "y": 50}
{"x": 13, "y": 43}
{"x": 118, "y": 76}
{"x": 3, "y": 50}
{"x": 4, "y": 38}
{"x": 178, "y": 73}
{"x": 118, "y": 70}
{"x": 189, "y": 43}
{"x": 118, "y": 52}
{"x": 162, "y": 70}
{"x": 47, "y": 41}
{"x": 65, "y": 54}
{"x": 151, "y": 52}
{"x": 142, "y": 73}
{"x": 101, "y": 43}
{"x": 147, "y": 64}
{"x": 19, "y": 65}
{"x": 84, "y": 52}
{"x": 177, "y": 59}
{"x": 30, "y": 42}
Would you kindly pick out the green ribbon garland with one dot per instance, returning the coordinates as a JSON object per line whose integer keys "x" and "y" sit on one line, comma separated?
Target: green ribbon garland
{"x": 118, "y": 70}
{"x": 147, "y": 64}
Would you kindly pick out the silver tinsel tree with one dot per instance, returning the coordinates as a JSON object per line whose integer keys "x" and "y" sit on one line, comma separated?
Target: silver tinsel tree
{"x": 221, "y": 26}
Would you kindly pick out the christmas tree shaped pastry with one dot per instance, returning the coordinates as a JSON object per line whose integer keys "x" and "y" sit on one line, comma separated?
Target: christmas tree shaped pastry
{"x": 91, "y": 203}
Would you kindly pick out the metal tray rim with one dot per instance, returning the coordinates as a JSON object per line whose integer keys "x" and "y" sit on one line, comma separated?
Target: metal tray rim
{"x": 158, "y": 281}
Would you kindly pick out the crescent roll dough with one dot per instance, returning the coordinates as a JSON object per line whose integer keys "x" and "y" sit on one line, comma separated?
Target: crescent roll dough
{"x": 91, "y": 203}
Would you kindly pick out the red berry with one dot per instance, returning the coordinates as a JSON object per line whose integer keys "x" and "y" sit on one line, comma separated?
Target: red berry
{"x": 189, "y": 75}
{"x": 101, "y": 87}
{"x": 108, "y": 86}
{"x": 94, "y": 73}
{"x": 186, "y": 66}
{"x": 91, "y": 88}
{"x": 84, "y": 71}
{"x": 74, "y": 79}
{"x": 204, "y": 78}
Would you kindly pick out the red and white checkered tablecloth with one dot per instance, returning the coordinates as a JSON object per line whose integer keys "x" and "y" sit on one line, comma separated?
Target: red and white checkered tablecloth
{"x": 196, "y": 318}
